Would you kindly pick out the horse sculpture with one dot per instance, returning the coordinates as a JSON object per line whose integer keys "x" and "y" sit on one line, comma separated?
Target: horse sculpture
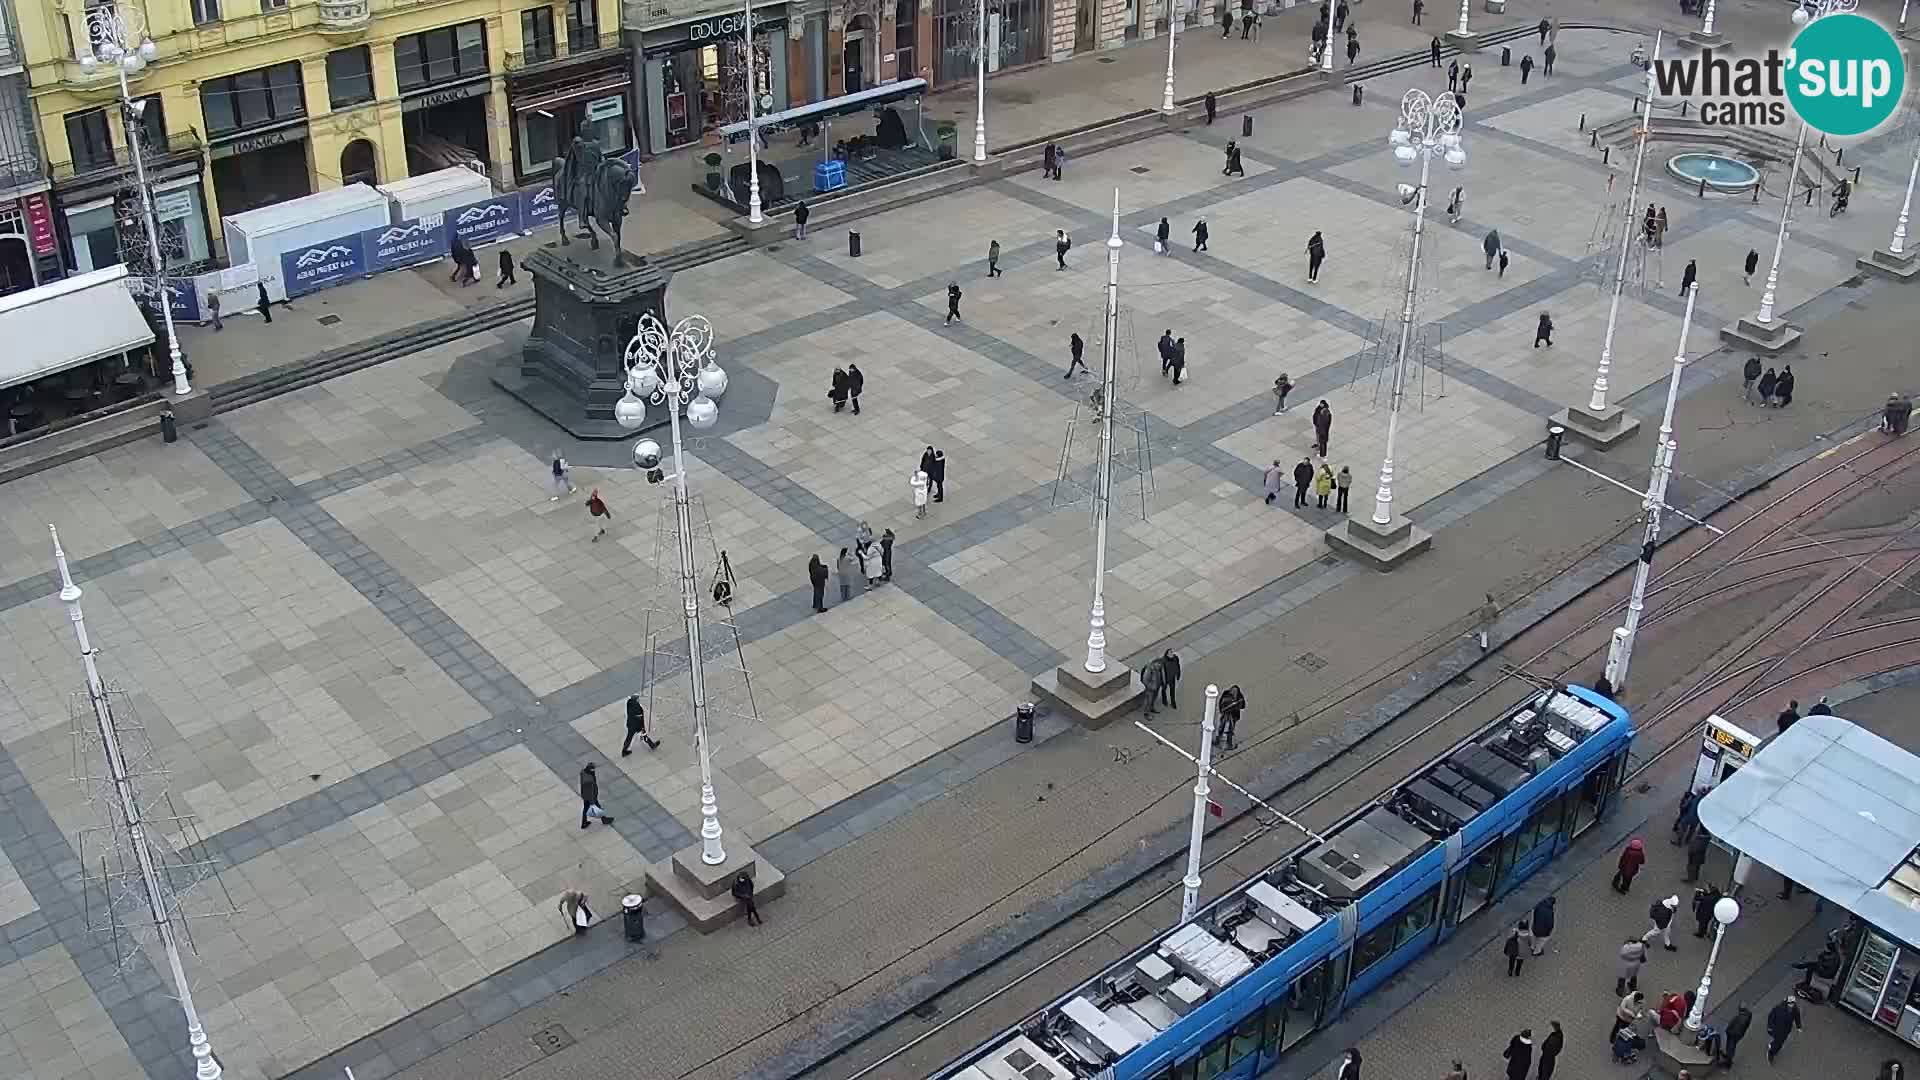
{"x": 596, "y": 188}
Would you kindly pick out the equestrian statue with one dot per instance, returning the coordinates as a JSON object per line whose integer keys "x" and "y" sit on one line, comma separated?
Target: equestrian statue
{"x": 596, "y": 188}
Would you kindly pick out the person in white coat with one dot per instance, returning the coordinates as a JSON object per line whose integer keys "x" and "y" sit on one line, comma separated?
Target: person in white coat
{"x": 919, "y": 494}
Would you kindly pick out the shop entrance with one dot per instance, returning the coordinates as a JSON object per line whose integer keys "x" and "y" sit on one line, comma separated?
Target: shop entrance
{"x": 1083, "y": 25}
{"x": 444, "y": 135}
{"x": 262, "y": 177}
{"x": 16, "y": 264}
{"x": 854, "y": 54}
{"x": 358, "y": 164}
{"x": 547, "y": 130}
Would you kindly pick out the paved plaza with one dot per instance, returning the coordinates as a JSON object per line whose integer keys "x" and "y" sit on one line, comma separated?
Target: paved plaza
{"x": 373, "y": 655}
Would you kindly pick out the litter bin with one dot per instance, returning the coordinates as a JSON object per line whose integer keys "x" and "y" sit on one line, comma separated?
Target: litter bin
{"x": 1246, "y": 127}
{"x": 853, "y": 244}
{"x": 1356, "y": 93}
{"x": 1506, "y": 56}
{"x": 633, "y": 917}
{"x": 169, "y": 426}
{"x": 1023, "y": 722}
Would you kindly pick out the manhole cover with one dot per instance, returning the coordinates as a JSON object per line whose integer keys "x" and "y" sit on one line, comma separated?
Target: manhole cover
{"x": 329, "y": 320}
{"x": 552, "y": 1039}
{"x": 926, "y": 1010}
{"x": 1140, "y": 170}
{"x": 1311, "y": 661}
{"x": 1106, "y": 59}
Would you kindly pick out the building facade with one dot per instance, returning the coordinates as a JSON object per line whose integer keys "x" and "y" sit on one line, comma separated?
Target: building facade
{"x": 253, "y": 102}
{"x": 29, "y": 250}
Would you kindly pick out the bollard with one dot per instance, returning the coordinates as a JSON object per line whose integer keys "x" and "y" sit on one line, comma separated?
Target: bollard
{"x": 1703, "y": 188}
{"x": 1594, "y": 139}
{"x": 1555, "y": 434}
{"x": 169, "y": 427}
{"x": 1606, "y": 154}
{"x": 853, "y": 244}
{"x": 1246, "y": 127}
{"x": 1837, "y": 151}
{"x": 1856, "y": 176}
{"x": 1810, "y": 190}
{"x": 1756, "y": 193}
{"x": 1683, "y": 109}
{"x": 1583, "y": 121}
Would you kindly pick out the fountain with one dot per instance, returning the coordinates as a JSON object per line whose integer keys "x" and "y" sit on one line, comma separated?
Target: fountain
{"x": 1718, "y": 171}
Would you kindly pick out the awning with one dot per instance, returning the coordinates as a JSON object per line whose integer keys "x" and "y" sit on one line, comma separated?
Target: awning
{"x": 1835, "y": 808}
{"x": 821, "y": 110}
{"x": 68, "y": 323}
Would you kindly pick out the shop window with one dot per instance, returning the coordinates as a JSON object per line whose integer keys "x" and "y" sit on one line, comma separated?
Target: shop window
{"x": 349, "y": 76}
{"x": 443, "y": 55}
{"x": 205, "y": 11}
{"x": 253, "y": 98}
{"x": 583, "y": 25}
{"x": 273, "y": 5}
{"x": 89, "y": 139}
{"x": 906, "y": 34}
{"x": 536, "y": 34}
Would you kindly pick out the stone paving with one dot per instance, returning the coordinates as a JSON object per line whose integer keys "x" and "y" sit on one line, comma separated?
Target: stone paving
{"x": 373, "y": 654}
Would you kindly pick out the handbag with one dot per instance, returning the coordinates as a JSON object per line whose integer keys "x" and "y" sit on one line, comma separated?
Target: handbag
{"x": 1159, "y": 248}
{"x": 580, "y": 918}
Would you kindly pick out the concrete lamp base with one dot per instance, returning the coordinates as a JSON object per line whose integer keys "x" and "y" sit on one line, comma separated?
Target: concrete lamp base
{"x": 1769, "y": 339}
{"x": 1467, "y": 42}
{"x": 703, "y": 894}
{"x": 1093, "y": 701}
{"x": 1606, "y": 428}
{"x": 1382, "y": 547}
{"x": 1901, "y": 267}
{"x": 1717, "y": 41}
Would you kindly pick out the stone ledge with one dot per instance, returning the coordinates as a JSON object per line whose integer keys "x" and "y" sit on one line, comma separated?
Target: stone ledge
{"x": 700, "y": 892}
{"x": 1602, "y": 430}
{"x": 1057, "y": 688}
{"x": 1382, "y": 547}
{"x": 1902, "y": 267}
{"x": 1751, "y": 334}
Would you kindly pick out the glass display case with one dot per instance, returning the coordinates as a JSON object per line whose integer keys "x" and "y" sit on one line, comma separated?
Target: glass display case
{"x": 1884, "y": 985}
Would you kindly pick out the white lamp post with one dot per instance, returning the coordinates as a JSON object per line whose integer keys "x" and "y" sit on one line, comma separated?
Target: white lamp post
{"x": 1429, "y": 125}
{"x": 1464, "y": 4}
{"x": 1898, "y": 245}
{"x": 1190, "y": 898}
{"x": 119, "y": 37}
{"x": 159, "y": 898}
{"x": 753, "y": 138}
{"x": 1808, "y": 11}
{"x": 1706, "y": 26}
{"x": 1597, "y": 405}
{"x": 675, "y": 367}
{"x": 1173, "y": 33}
{"x": 1725, "y": 911}
{"x": 980, "y": 90}
{"x": 1097, "y": 613}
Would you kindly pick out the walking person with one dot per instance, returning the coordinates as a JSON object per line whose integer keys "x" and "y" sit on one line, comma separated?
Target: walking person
{"x": 1302, "y": 477}
{"x": 1516, "y": 950}
{"x": 1502, "y": 262}
{"x": 1488, "y": 614}
{"x": 1662, "y": 233}
{"x": 1753, "y": 263}
{"x": 1226, "y": 24}
{"x": 1323, "y": 485}
{"x": 1170, "y": 666}
{"x": 1453, "y": 75}
{"x": 1660, "y": 913}
{"x": 637, "y": 723}
{"x": 1153, "y": 676}
{"x": 1342, "y": 486}
{"x": 800, "y": 216}
{"x": 1788, "y": 717}
{"x": 1433, "y": 51}
{"x": 560, "y": 478}
{"x": 506, "y": 270}
{"x": 1340, "y": 16}
{"x": 1061, "y": 245}
{"x": 1076, "y": 348}
{"x": 263, "y": 305}
{"x": 1273, "y": 480}
{"x": 1631, "y": 860}
{"x": 1769, "y": 382}
{"x": 1322, "y": 427}
{"x": 1704, "y": 898}
{"x": 1165, "y": 347}
{"x": 743, "y": 893}
{"x": 1782, "y": 1021}
{"x": 1454, "y": 205}
{"x": 1749, "y": 375}
{"x": 1419, "y": 9}
{"x": 1162, "y": 234}
{"x": 1047, "y": 158}
{"x": 1546, "y": 60}
{"x": 1731, "y": 1035}
{"x": 937, "y": 474}
{"x": 1316, "y": 254}
{"x": 1543, "y": 331}
{"x": 1491, "y": 245}
{"x": 213, "y": 308}
{"x": 1543, "y": 918}
{"x": 1526, "y": 68}
{"x": 1349, "y": 1065}
{"x": 817, "y": 577}
{"x": 1783, "y": 386}
{"x": 1234, "y": 166}
{"x": 1686, "y": 277}
{"x": 1519, "y": 1055}
{"x": 1353, "y": 48}
{"x": 575, "y": 909}
{"x": 1232, "y": 703}
{"x": 843, "y": 568}
{"x": 597, "y": 511}
{"x": 1466, "y": 77}
{"x": 1550, "y": 1050}
{"x": 919, "y": 494}
{"x": 1200, "y": 235}
{"x": 856, "y": 382}
{"x": 460, "y": 254}
{"x": 1179, "y": 361}
{"x": 1697, "y": 849}
{"x": 993, "y": 259}
{"x": 953, "y": 303}
{"x": 590, "y": 798}
{"x": 1213, "y": 107}
{"x": 1282, "y": 386}
{"x": 838, "y": 392}
{"x": 886, "y": 554}
{"x": 1633, "y": 957}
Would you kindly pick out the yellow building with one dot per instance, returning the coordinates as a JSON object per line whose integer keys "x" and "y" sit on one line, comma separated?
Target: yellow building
{"x": 252, "y": 102}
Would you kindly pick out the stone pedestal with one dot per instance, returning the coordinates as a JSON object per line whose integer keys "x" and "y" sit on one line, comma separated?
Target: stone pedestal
{"x": 1717, "y": 41}
{"x": 703, "y": 894}
{"x": 1901, "y": 267}
{"x": 573, "y": 367}
{"x": 1467, "y": 42}
{"x": 1602, "y": 429}
{"x": 1755, "y": 336}
{"x": 1093, "y": 700}
{"x": 1382, "y": 547}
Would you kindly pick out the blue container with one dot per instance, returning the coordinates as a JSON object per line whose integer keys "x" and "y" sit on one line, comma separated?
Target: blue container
{"x": 830, "y": 175}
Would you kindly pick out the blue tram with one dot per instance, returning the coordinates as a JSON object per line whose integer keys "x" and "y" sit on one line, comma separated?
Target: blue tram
{"x": 1286, "y": 952}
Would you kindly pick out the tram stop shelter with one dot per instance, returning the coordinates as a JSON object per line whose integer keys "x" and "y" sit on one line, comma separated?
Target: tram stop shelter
{"x": 1836, "y": 809}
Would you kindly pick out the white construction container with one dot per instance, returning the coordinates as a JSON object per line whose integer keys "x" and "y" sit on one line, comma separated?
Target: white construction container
{"x": 434, "y": 193}
{"x": 261, "y": 236}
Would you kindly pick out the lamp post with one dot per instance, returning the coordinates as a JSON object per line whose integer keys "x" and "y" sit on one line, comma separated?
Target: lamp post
{"x": 675, "y": 367}
{"x": 159, "y": 899}
{"x": 1173, "y": 33}
{"x": 119, "y": 38}
{"x": 980, "y": 89}
{"x": 1464, "y": 4}
{"x": 1097, "y": 613}
{"x": 754, "y": 214}
{"x": 1597, "y": 405}
{"x": 1429, "y": 125}
{"x": 1725, "y": 911}
{"x": 1808, "y": 11}
{"x": 1898, "y": 245}
{"x": 1706, "y": 27}
{"x": 1620, "y": 648}
{"x": 1190, "y": 897}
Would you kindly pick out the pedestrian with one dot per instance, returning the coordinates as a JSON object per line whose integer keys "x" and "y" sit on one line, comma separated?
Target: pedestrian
{"x": 1625, "y": 1015}
{"x": 1633, "y": 956}
{"x": 1433, "y": 51}
{"x": 1302, "y": 476}
{"x": 1232, "y": 703}
{"x": 1323, "y": 485}
{"x": 1519, "y": 1055}
{"x": 1282, "y": 386}
{"x": 1491, "y": 245}
{"x": 1272, "y": 480}
{"x": 937, "y": 475}
{"x": 919, "y": 494}
{"x": 1460, "y": 100}
{"x": 1753, "y": 263}
{"x": 213, "y": 308}
{"x": 506, "y": 270}
{"x": 1453, "y": 75}
{"x": 1316, "y": 254}
{"x": 856, "y": 382}
{"x": 1543, "y": 28}
{"x": 1515, "y": 950}
{"x": 1891, "y": 1070}
{"x": 817, "y": 576}
{"x": 1340, "y": 16}
{"x": 1466, "y": 77}
{"x": 1543, "y": 917}
{"x": 1165, "y": 347}
{"x": 1502, "y": 262}
{"x": 460, "y": 254}
{"x": 1162, "y": 236}
{"x": 800, "y": 216}
{"x": 843, "y": 568}
{"x": 874, "y": 558}
{"x": 1153, "y": 676}
{"x": 1631, "y": 860}
{"x": 1200, "y": 235}
{"x": 838, "y": 393}
{"x": 1226, "y": 24}
{"x": 1697, "y": 855}
{"x": 1454, "y": 204}
{"x": 263, "y": 306}
{"x": 1686, "y": 277}
{"x": 1660, "y": 913}
{"x": 1076, "y": 347}
{"x": 1349, "y": 1065}
{"x": 597, "y": 511}
{"x": 1179, "y": 361}
{"x": 1353, "y": 48}
{"x": 1731, "y": 1035}
{"x": 1783, "y": 386}
{"x": 1049, "y": 160}
{"x": 1526, "y": 68}
{"x": 1748, "y": 376}
{"x": 1170, "y": 666}
{"x": 1782, "y": 1020}
{"x": 1419, "y": 8}
{"x": 1342, "y": 486}
{"x": 1322, "y": 427}
{"x": 1061, "y": 245}
{"x": 637, "y": 722}
{"x": 1821, "y": 708}
{"x": 953, "y": 302}
{"x": 1213, "y": 107}
{"x": 1687, "y": 821}
{"x": 1704, "y": 898}
{"x": 1550, "y": 1050}
{"x": 574, "y": 908}
{"x": 993, "y": 259}
{"x": 590, "y": 798}
{"x": 1661, "y": 242}
{"x": 1488, "y": 615}
{"x": 1234, "y": 167}
{"x": 1543, "y": 331}
{"x": 1546, "y": 60}
{"x": 560, "y": 478}
{"x": 743, "y": 892}
{"x": 1769, "y": 381}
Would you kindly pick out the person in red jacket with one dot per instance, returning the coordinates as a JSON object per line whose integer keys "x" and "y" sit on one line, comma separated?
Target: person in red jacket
{"x": 1631, "y": 860}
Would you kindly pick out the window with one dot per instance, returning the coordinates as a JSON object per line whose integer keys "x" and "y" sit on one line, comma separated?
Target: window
{"x": 152, "y": 124}
{"x": 89, "y": 139}
{"x": 1303, "y": 1003}
{"x": 583, "y": 26}
{"x": 206, "y": 11}
{"x": 443, "y": 55}
{"x": 536, "y": 34}
{"x": 273, "y": 5}
{"x": 253, "y": 98}
{"x": 349, "y": 76}
{"x": 1213, "y": 1060}
{"x": 1417, "y": 917}
{"x": 906, "y": 32}
{"x": 1246, "y": 1038}
{"x": 1373, "y": 946}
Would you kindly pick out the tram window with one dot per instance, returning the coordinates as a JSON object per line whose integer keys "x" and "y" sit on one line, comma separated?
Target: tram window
{"x": 1246, "y": 1038}
{"x": 1510, "y": 846}
{"x": 1541, "y": 826}
{"x": 1275, "y": 1016}
{"x": 1478, "y": 881}
{"x": 1303, "y": 1003}
{"x": 1182, "y": 1071}
{"x": 1373, "y": 945}
{"x": 1418, "y": 916}
{"x": 1213, "y": 1060}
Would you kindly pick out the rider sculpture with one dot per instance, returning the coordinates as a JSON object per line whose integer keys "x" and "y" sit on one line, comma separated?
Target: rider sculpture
{"x": 596, "y": 188}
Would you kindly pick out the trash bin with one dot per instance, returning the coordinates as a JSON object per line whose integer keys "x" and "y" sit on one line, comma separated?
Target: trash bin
{"x": 1506, "y": 57}
{"x": 169, "y": 426}
{"x": 633, "y": 917}
{"x": 1356, "y": 93}
{"x": 1023, "y": 722}
{"x": 1246, "y": 127}
{"x": 853, "y": 244}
